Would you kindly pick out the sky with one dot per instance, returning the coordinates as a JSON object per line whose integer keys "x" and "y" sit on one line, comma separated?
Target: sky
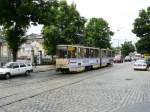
{"x": 120, "y": 14}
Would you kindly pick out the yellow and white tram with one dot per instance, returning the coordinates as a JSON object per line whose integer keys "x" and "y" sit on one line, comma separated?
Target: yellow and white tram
{"x": 76, "y": 58}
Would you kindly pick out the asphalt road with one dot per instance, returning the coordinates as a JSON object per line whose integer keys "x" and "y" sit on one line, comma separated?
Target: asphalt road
{"x": 112, "y": 89}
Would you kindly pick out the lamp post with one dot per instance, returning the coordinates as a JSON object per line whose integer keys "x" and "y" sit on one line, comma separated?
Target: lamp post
{"x": 32, "y": 55}
{"x": 118, "y": 42}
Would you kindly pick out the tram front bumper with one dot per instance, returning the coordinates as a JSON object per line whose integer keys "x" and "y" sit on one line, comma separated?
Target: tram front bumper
{"x": 76, "y": 69}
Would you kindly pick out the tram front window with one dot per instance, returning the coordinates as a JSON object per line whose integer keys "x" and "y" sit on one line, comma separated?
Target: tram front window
{"x": 67, "y": 52}
{"x": 62, "y": 53}
{"x": 72, "y": 52}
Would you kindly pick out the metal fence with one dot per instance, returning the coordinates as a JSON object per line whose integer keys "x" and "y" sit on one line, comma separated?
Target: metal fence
{"x": 4, "y": 60}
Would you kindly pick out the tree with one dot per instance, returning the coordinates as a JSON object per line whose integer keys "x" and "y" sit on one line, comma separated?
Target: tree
{"x": 68, "y": 28}
{"x": 17, "y": 15}
{"x": 143, "y": 45}
{"x": 142, "y": 24}
{"x": 127, "y": 48}
{"x": 116, "y": 50}
{"x": 97, "y": 33}
{"x": 142, "y": 30}
{"x": 13, "y": 42}
{"x": 51, "y": 39}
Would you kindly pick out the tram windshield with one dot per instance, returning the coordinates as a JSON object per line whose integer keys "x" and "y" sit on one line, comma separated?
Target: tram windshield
{"x": 62, "y": 52}
{"x": 66, "y": 52}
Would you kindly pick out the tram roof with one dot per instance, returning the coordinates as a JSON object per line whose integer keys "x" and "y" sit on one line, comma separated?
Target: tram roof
{"x": 106, "y": 49}
{"x": 78, "y": 46}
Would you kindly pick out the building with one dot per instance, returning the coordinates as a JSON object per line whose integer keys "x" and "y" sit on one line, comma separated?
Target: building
{"x": 34, "y": 43}
{"x": 4, "y": 51}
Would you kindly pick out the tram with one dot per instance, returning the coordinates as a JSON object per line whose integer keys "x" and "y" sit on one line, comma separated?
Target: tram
{"x": 77, "y": 58}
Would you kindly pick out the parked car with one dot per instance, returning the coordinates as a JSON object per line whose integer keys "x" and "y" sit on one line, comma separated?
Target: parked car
{"x": 140, "y": 65}
{"x": 137, "y": 56}
{"x": 147, "y": 60}
{"x": 127, "y": 59}
{"x": 30, "y": 67}
{"x": 118, "y": 59}
{"x": 15, "y": 68}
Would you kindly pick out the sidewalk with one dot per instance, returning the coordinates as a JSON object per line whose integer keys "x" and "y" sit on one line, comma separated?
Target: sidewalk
{"x": 43, "y": 68}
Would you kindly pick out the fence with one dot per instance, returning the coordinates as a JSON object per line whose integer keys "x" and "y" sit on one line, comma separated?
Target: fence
{"x": 4, "y": 60}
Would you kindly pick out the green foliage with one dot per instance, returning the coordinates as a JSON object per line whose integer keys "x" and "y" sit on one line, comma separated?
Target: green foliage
{"x": 68, "y": 27}
{"x": 50, "y": 35}
{"x": 126, "y": 48}
{"x": 13, "y": 42}
{"x": 116, "y": 50}
{"x": 98, "y": 33}
{"x": 17, "y": 15}
{"x": 142, "y": 24}
{"x": 142, "y": 30}
{"x": 143, "y": 45}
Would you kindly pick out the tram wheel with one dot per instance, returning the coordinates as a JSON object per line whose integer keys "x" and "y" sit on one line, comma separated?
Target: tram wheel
{"x": 65, "y": 71}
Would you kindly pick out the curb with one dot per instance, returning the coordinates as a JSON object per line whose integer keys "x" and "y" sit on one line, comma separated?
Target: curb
{"x": 43, "y": 70}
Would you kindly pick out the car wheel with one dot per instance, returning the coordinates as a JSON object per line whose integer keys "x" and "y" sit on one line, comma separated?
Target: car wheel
{"x": 27, "y": 73}
{"x": 7, "y": 75}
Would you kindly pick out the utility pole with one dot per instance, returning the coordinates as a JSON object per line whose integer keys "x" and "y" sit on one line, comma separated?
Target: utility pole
{"x": 118, "y": 42}
{"x": 32, "y": 56}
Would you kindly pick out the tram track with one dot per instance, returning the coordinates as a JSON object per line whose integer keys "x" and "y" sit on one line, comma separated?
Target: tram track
{"x": 73, "y": 79}
{"x": 25, "y": 81}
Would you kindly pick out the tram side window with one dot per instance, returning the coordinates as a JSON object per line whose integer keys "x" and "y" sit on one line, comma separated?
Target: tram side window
{"x": 92, "y": 53}
{"x": 80, "y": 52}
{"x": 96, "y": 53}
{"x": 109, "y": 54}
{"x": 86, "y": 52}
{"x": 103, "y": 53}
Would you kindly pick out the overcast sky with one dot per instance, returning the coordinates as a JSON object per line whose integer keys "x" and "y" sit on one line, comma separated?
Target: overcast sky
{"x": 120, "y": 14}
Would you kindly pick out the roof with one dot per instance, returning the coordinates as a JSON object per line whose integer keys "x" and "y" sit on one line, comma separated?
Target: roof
{"x": 34, "y": 36}
{"x": 78, "y": 46}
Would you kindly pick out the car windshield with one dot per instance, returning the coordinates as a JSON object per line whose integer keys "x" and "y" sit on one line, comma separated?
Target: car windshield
{"x": 118, "y": 56}
{"x": 127, "y": 57}
{"x": 140, "y": 61}
{"x": 7, "y": 65}
{"x": 148, "y": 59}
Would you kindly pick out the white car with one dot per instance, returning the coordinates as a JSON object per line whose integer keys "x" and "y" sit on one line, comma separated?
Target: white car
{"x": 30, "y": 67}
{"x": 127, "y": 58}
{"x": 140, "y": 65}
{"x": 15, "y": 68}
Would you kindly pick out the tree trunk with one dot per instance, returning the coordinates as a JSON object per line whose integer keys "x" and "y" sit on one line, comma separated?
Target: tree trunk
{"x": 14, "y": 54}
{"x": 53, "y": 60}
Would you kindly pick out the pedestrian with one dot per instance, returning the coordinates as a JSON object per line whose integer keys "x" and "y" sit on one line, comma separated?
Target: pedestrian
{"x": 2, "y": 64}
{"x": 35, "y": 62}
